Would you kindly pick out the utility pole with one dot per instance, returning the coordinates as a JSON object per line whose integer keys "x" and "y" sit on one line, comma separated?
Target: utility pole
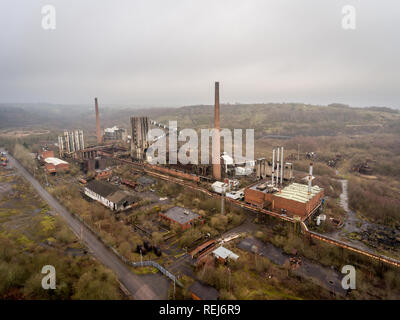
{"x": 229, "y": 287}
{"x": 298, "y": 152}
{"x": 141, "y": 258}
{"x": 223, "y": 203}
{"x": 223, "y": 198}
{"x": 47, "y": 182}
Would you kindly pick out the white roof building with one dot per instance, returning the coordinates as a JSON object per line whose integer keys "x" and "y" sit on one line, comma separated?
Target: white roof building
{"x": 112, "y": 129}
{"x": 223, "y": 253}
{"x": 55, "y": 161}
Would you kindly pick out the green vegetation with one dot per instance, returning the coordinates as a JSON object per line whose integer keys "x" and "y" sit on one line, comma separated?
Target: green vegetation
{"x": 352, "y": 135}
{"x": 375, "y": 200}
{"x": 372, "y": 276}
{"x": 31, "y": 239}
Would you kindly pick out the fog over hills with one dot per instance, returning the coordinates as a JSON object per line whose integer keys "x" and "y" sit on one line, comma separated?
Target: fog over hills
{"x": 282, "y": 118}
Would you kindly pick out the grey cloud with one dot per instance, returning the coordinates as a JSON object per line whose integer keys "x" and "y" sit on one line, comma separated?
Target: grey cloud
{"x": 169, "y": 52}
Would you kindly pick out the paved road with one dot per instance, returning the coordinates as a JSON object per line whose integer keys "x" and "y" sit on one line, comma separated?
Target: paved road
{"x": 135, "y": 284}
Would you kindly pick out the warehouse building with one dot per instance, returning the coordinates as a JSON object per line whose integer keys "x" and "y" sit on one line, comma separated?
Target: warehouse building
{"x": 109, "y": 195}
{"x": 223, "y": 254}
{"x": 295, "y": 199}
{"x": 54, "y": 165}
{"x": 45, "y": 154}
{"x": 114, "y": 133}
{"x": 181, "y": 216}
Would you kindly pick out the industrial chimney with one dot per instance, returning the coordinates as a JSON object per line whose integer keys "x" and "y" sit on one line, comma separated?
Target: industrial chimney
{"x": 98, "y": 129}
{"x": 216, "y": 155}
{"x": 273, "y": 167}
{"x": 310, "y": 177}
{"x": 277, "y": 166}
{"x": 281, "y": 165}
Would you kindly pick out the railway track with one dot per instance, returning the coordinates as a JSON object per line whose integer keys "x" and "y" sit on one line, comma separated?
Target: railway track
{"x": 344, "y": 245}
{"x": 142, "y": 168}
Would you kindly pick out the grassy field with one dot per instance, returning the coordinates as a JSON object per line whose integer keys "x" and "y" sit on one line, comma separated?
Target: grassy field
{"x": 31, "y": 236}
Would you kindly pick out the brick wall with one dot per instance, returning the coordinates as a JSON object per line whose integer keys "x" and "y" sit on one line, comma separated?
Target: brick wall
{"x": 293, "y": 207}
{"x": 47, "y": 154}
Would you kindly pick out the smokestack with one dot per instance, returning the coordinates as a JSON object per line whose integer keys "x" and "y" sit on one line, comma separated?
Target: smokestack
{"x": 282, "y": 166}
{"x": 98, "y": 129}
{"x": 273, "y": 166}
{"x": 277, "y": 167}
{"x": 217, "y": 138}
{"x": 310, "y": 179}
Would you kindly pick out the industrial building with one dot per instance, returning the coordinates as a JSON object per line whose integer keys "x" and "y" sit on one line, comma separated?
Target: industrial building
{"x": 103, "y": 174}
{"x": 54, "y": 165}
{"x": 110, "y": 195}
{"x": 183, "y": 217}
{"x": 45, "y": 154}
{"x": 223, "y": 255}
{"x": 70, "y": 142}
{"x": 139, "y": 142}
{"x": 97, "y": 163}
{"x": 220, "y": 187}
{"x": 275, "y": 168}
{"x": 294, "y": 199}
{"x": 115, "y": 133}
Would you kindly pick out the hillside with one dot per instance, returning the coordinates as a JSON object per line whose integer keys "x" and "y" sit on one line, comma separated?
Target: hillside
{"x": 291, "y": 119}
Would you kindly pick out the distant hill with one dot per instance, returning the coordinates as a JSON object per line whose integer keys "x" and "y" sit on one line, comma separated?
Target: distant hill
{"x": 60, "y": 117}
{"x": 46, "y": 115}
{"x": 289, "y": 119}
{"x": 284, "y": 119}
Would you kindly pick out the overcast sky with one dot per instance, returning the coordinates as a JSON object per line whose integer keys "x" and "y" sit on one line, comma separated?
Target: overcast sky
{"x": 169, "y": 52}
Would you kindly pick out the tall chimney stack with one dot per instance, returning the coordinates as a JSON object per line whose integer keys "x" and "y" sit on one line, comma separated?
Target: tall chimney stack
{"x": 98, "y": 129}
{"x": 273, "y": 167}
{"x": 281, "y": 165}
{"x": 277, "y": 166}
{"x": 216, "y": 156}
{"x": 310, "y": 178}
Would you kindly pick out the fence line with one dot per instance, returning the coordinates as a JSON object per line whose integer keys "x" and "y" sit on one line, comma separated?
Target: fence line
{"x": 347, "y": 246}
{"x": 131, "y": 263}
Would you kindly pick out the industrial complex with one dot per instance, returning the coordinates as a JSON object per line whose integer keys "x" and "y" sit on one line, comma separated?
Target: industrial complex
{"x": 140, "y": 207}
{"x": 270, "y": 186}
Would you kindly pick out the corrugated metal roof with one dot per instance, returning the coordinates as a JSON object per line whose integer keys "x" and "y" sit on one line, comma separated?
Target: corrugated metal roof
{"x": 110, "y": 192}
{"x": 55, "y": 161}
{"x": 102, "y": 188}
{"x": 224, "y": 253}
{"x": 298, "y": 192}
